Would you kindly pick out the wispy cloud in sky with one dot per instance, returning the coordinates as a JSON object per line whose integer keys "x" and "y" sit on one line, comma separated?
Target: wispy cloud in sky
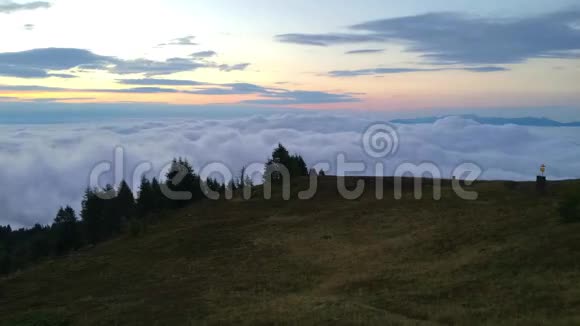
{"x": 204, "y": 54}
{"x": 37, "y": 63}
{"x": 165, "y": 82}
{"x": 386, "y": 71}
{"x": 266, "y": 95}
{"x": 453, "y": 38}
{"x": 303, "y": 97}
{"x": 8, "y": 7}
{"x": 365, "y": 51}
{"x": 186, "y": 40}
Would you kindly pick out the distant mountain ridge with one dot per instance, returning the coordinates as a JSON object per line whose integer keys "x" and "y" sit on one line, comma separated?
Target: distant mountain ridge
{"x": 523, "y": 121}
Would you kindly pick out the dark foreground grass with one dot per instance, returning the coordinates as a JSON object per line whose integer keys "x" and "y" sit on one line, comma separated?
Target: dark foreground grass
{"x": 505, "y": 259}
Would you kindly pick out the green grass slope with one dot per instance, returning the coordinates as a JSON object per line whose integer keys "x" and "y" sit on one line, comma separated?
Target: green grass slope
{"x": 505, "y": 259}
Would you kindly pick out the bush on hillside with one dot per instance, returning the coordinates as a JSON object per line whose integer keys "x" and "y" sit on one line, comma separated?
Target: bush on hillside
{"x": 510, "y": 185}
{"x": 569, "y": 208}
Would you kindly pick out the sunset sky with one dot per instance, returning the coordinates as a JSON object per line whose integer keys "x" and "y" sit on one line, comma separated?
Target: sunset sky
{"x": 374, "y": 54}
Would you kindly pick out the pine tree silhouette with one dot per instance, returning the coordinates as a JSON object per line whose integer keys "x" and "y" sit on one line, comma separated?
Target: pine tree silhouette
{"x": 66, "y": 229}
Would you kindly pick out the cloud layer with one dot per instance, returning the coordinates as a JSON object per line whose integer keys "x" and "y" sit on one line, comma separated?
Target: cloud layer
{"x": 45, "y": 166}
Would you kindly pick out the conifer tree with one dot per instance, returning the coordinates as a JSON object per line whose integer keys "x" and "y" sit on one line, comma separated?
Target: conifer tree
{"x": 92, "y": 216}
{"x": 182, "y": 179}
{"x": 145, "y": 201}
{"x": 159, "y": 201}
{"x": 125, "y": 202}
{"x": 66, "y": 228}
{"x": 5, "y": 234}
{"x": 110, "y": 214}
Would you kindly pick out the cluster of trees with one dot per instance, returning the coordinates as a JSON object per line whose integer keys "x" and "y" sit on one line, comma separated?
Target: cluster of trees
{"x": 105, "y": 214}
{"x": 281, "y": 158}
{"x": 111, "y": 211}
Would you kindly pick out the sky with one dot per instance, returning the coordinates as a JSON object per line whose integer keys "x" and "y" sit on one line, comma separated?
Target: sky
{"x": 366, "y": 55}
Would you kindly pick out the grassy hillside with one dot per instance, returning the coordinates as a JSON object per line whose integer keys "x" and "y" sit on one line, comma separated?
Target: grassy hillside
{"x": 504, "y": 259}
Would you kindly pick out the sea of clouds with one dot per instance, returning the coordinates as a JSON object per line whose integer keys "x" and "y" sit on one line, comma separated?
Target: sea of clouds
{"x": 44, "y": 166}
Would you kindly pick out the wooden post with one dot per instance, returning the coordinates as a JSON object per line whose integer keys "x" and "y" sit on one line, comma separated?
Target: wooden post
{"x": 541, "y": 184}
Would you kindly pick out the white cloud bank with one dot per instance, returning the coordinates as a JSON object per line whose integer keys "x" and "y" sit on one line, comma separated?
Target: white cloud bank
{"x": 45, "y": 166}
